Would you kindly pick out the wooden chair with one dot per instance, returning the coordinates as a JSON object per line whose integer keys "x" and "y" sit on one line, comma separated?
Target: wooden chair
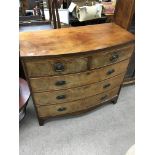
{"x": 53, "y": 12}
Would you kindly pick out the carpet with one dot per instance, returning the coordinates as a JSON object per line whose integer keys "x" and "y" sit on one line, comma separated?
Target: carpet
{"x": 107, "y": 130}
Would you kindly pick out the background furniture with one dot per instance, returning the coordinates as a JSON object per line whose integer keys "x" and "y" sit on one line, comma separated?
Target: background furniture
{"x": 75, "y": 22}
{"x": 55, "y": 18}
{"x": 31, "y": 12}
{"x": 54, "y": 13}
{"x": 124, "y": 12}
{"x": 58, "y": 17}
{"x": 79, "y": 69}
{"x": 24, "y": 94}
{"x": 125, "y": 17}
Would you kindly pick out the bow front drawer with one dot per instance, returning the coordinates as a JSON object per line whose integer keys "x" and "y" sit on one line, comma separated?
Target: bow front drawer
{"x": 74, "y": 80}
{"x": 112, "y": 56}
{"x": 47, "y": 67}
{"x": 61, "y": 96}
{"x": 75, "y": 106}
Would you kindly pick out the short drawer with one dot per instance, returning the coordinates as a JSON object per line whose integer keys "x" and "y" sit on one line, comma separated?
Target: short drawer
{"x": 54, "y": 97}
{"x": 110, "y": 57}
{"x": 45, "y": 67}
{"x": 79, "y": 79}
{"x": 75, "y": 106}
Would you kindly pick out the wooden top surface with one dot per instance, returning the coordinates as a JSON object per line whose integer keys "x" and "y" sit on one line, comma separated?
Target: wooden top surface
{"x": 72, "y": 40}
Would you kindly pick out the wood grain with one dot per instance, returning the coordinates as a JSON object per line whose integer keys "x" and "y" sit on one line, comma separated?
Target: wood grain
{"x": 45, "y": 67}
{"x": 74, "y": 80}
{"x": 75, "y": 106}
{"x": 47, "y": 98}
{"x": 72, "y": 40}
{"x": 74, "y": 69}
{"x": 124, "y": 13}
{"x": 101, "y": 60}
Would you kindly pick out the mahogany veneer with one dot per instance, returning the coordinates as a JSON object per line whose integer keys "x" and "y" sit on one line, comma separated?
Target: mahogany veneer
{"x": 72, "y": 70}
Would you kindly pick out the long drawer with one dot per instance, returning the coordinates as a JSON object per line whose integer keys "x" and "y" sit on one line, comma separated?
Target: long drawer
{"x": 46, "y": 67}
{"x": 61, "y": 96}
{"x": 74, "y": 80}
{"x": 113, "y": 56}
{"x": 59, "y": 109}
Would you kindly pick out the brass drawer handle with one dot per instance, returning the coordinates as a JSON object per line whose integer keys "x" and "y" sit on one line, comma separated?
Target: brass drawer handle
{"x": 110, "y": 71}
{"x": 62, "y": 109}
{"x": 107, "y": 85}
{"x": 104, "y": 97}
{"x": 60, "y": 83}
{"x": 61, "y": 97}
{"x": 59, "y": 67}
{"x": 114, "y": 57}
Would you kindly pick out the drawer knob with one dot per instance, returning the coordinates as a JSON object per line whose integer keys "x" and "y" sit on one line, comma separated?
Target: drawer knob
{"x": 59, "y": 67}
{"x": 62, "y": 109}
{"x": 61, "y": 97}
{"x": 114, "y": 57}
{"x": 104, "y": 97}
{"x": 60, "y": 83}
{"x": 107, "y": 85}
{"x": 110, "y": 71}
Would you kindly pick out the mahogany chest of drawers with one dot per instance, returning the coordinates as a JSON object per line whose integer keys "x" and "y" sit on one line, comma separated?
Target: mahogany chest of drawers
{"x": 73, "y": 70}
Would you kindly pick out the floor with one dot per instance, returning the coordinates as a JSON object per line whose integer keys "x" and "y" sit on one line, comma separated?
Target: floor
{"x": 108, "y": 130}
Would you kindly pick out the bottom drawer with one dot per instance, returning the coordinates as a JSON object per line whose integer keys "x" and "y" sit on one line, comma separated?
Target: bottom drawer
{"x": 70, "y": 107}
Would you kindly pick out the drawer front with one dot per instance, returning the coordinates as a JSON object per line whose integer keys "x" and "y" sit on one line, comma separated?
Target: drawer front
{"x": 116, "y": 55}
{"x": 55, "y": 67}
{"x": 75, "y": 106}
{"x": 54, "y": 97}
{"x": 79, "y": 79}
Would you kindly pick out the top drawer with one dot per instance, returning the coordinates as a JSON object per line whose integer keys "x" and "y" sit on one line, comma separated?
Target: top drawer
{"x": 110, "y": 57}
{"x": 46, "y": 67}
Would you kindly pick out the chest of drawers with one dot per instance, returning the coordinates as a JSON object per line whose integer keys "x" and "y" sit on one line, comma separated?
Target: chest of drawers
{"x": 73, "y": 70}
